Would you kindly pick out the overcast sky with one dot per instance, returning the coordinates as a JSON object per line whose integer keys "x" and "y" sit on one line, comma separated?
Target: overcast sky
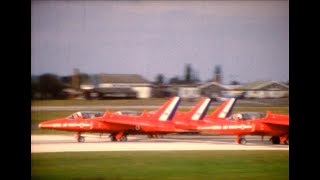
{"x": 248, "y": 39}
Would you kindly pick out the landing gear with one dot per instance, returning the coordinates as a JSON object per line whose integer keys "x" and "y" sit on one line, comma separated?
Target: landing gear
{"x": 113, "y": 138}
{"x": 286, "y": 141}
{"x": 275, "y": 140}
{"x": 152, "y": 136}
{"x": 155, "y": 136}
{"x": 123, "y": 138}
{"x": 160, "y": 136}
{"x": 241, "y": 139}
{"x": 81, "y": 139}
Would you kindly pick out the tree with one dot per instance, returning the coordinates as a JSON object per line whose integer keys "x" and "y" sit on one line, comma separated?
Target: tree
{"x": 67, "y": 80}
{"x": 159, "y": 90}
{"x": 34, "y": 87}
{"x": 217, "y": 74}
{"x": 160, "y": 79}
{"x": 50, "y": 86}
{"x": 175, "y": 80}
{"x": 84, "y": 77}
{"x": 234, "y": 82}
{"x": 188, "y": 73}
{"x": 195, "y": 77}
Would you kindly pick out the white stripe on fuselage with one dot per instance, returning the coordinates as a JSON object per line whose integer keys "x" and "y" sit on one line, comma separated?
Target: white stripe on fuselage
{"x": 199, "y": 112}
{"x": 77, "y": 124}
{"x": 165, "y": 115}
{"x": 241, "y": 126}
{"x": 226, "y": 109}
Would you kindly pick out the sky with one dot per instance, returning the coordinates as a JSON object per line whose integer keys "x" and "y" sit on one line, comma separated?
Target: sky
{"x": 249, "y": 40}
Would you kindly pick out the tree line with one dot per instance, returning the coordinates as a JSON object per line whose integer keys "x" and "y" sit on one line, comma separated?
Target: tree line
{"x": 51, "y": 86}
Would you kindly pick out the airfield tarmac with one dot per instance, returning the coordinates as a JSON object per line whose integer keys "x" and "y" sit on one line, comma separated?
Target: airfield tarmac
{"x": 67, "y": 143}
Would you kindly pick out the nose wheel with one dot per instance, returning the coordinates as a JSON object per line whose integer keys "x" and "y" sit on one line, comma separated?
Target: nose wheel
{"x": 81, "y": 139}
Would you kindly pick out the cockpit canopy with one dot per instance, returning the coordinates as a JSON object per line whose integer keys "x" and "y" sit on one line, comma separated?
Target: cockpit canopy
{"x": 130, "y": 113}
{"x": 85, "y": 114}
{"x": 247, "y": 115}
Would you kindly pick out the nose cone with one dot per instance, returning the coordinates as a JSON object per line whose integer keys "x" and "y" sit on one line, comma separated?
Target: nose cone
{"x": 40, "y": 125}
{"x": 52, "y": 124}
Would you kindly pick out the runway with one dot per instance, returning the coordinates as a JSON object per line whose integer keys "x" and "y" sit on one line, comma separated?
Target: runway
{"x": 67, "y": 143}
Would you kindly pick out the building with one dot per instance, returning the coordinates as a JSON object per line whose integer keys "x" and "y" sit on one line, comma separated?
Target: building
{"x": 216, "y": 89}
{"x": 117, "y": 86}
{"x": 265, "y": 89}
{"x": 185, "y": 91}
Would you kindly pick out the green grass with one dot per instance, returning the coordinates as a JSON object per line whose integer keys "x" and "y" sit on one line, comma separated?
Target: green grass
{"x": 39, "y": 116}
{"x": 162, "y": 165}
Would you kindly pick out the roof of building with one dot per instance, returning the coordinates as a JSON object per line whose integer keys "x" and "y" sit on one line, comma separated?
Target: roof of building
{"x": 116, "y": 78}
{"x": 260, "y": 85}
{"x": 184, "y": 85}
{"x": 115, "y": 90}
{"x": 214, "y": 84}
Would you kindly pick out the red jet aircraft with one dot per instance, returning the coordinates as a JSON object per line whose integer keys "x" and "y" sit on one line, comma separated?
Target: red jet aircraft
{"x": 181, "y": 122}
{"x": 192, "y": 123}
{"x": 147, "y": 123}
{"x": 95, "y": 122}
{"x": 249, "y": 123}
{"x": 119, "y": 125}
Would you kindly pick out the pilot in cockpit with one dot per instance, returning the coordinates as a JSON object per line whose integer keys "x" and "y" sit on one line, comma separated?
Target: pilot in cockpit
{"x": 237, "y": 116}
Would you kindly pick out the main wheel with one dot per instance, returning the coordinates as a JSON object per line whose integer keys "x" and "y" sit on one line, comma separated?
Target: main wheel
{"x": 81, "y": 139}
{"x": 113, "y": 138}
{"x": 286, "y": 141}
{"x": 160, "y": 136}
{"x": 242, "y": 141}
{"x": 123, "y": 138}
{"x": 275, "y": 140}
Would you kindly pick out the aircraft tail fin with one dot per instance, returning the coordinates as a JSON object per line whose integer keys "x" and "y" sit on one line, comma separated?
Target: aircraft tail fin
{"x": 200, "y": 110}
{"x": 167, "y": 110}
{"x": 225, "y": 109}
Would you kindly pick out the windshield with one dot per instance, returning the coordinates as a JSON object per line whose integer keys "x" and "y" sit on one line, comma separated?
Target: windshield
{"x": 86, "y": 114}
{"x": 247, "y": 116}
{"x": 132, "y": 113}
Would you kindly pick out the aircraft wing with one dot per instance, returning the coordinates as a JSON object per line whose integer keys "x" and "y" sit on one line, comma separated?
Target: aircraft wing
{"x": 146, "y": 126}
{"x": 127, "y": 122}
{"x": 283, "y": 123}
{"x": 276, "y": 119}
